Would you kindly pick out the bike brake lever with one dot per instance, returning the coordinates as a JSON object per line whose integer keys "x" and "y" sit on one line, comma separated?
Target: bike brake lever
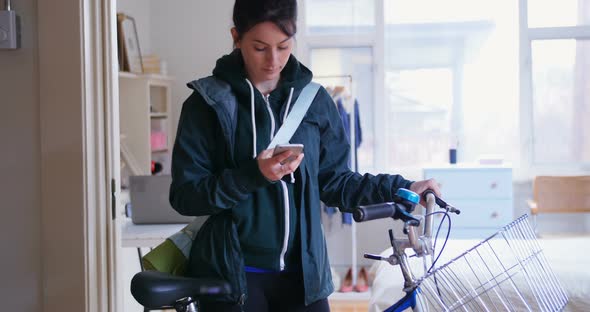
{"x": 441, "y": 203}
{"x": 373, "y": 257}
{"x": 391, "y": 259}
{"x": 401, "y": 214}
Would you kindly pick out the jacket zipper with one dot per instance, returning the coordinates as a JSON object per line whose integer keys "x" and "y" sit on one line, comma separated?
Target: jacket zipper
{"x": 283, "y": 188}
{"x": 272, "y": 118}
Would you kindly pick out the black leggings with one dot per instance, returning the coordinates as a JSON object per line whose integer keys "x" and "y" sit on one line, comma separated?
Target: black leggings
{"x": 269, "y": 292}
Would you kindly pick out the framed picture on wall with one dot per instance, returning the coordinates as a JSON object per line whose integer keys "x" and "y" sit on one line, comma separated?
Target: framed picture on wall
{"x": 130, "y": 58}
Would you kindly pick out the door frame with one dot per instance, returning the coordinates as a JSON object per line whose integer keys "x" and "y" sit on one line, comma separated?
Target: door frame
{"x": 78, "y": 117}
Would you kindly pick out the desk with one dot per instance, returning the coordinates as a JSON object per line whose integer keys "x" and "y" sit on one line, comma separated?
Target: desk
{"x": 146, "y": 235}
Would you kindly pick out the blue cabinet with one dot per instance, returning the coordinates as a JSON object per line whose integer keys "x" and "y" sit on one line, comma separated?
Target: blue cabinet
{"x": 482, "y": 193}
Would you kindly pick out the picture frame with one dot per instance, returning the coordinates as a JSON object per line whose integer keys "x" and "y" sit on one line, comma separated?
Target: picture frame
{"x": 130, "y": 58}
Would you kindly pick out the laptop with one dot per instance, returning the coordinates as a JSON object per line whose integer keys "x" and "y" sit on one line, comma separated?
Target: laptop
{"x": 149, "y": 200}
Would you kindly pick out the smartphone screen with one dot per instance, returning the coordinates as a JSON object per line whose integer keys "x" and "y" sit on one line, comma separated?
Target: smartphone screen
{"x": 296, "y": 149}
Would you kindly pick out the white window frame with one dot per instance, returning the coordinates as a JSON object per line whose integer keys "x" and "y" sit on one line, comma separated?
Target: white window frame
{"x": 373, "y": 40}
{"x": 527, "y": 35}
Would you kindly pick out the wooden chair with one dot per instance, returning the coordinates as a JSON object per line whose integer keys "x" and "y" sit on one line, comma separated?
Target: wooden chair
{"x": 560, "y": 194}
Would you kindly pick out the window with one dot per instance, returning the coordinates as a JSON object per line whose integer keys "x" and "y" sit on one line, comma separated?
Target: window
{"x": 340, "y": 16}
{"x": 555, "y": 62}
{"x": 419, "y": 123}
{"x": 550, "y": 13}
{"x": 445, "y": 74}
{"x": 457, "y": 61}
{"x": 431, "y": 11}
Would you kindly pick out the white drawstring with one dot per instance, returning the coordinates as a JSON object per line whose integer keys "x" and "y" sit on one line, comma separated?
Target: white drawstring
{"x": 288, "y": 104}
{"x": 285, "y": 118}
{"x": 252, "y": 112}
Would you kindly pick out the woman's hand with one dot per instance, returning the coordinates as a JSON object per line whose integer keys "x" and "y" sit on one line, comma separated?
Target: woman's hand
{"x": 274, "y": 167}
{"x": 419, "y": 187}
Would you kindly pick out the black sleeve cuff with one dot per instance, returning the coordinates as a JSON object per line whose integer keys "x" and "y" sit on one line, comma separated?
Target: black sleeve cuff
{"x": 249, "y": 177}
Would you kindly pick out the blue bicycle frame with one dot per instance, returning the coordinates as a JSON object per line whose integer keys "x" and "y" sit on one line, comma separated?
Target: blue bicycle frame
{"x": 408, "y": 301}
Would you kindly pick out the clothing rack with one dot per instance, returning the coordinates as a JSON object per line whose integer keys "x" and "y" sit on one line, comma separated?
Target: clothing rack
{"x": 353, "y": 161}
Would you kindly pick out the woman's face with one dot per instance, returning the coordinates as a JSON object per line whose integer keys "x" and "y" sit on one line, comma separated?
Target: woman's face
{"x": 266, "y": 50}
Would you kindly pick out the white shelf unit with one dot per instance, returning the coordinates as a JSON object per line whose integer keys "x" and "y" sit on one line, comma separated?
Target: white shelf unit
{"x": 144, "y": 106}
{"x": 482, "y": 193}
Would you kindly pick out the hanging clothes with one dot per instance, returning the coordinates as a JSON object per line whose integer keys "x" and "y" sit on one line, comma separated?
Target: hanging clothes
{"x": 345, "y": 117}
{"x": 358, "y": 134}
{"x": 357, "y": 123}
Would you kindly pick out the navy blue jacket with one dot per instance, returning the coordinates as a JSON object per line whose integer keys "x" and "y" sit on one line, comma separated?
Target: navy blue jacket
{"x": 207, "y": 180}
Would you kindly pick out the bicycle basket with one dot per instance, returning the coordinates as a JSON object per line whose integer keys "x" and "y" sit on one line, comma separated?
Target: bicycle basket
{"x": 506, "y": 272}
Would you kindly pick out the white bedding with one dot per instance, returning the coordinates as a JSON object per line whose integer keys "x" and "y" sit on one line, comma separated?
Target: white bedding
{"x": 567, "y": 256}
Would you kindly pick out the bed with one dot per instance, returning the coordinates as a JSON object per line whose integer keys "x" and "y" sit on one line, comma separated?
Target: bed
{"x": 567, "y": 256}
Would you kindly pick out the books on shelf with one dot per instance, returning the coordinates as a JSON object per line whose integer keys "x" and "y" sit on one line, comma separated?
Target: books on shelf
{"x": 152, "y": 64}
{"x": 158, "y": 140}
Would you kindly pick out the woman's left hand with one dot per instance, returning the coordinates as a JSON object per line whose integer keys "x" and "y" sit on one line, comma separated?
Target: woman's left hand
{"x": 275, "y": 167}
{"x": 419, "y": 187}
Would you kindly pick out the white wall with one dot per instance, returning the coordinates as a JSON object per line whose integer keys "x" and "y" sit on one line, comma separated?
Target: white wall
{"x": 140, "y": 10}
{"x": 20, "y": 238}
{"x": 190, "y": 36}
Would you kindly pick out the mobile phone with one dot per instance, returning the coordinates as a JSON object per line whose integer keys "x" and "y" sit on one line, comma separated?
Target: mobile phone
{"x": 296, "y": 149}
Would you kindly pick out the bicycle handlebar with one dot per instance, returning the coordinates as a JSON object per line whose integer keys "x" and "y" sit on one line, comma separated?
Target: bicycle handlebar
{"x": 441, "y": 203}
{"x": 373, "y": 212}
{"x": 402, "y": 208}
{"x": 397, "y": 211}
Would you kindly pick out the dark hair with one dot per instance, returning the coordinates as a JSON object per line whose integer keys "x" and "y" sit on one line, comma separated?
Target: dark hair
{"x": 249, "y": 13}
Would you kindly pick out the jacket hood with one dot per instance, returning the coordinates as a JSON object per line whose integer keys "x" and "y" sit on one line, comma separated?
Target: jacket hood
{"x": 230, "y": 68}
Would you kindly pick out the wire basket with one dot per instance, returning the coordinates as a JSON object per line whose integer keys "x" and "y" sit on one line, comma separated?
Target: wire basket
{"x": 506, "y": 272}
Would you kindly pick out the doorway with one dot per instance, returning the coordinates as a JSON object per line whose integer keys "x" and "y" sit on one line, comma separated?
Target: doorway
{"x": 177, "y": 42}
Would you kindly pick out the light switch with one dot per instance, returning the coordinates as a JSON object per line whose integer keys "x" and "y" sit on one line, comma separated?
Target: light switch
{"x": 9, "y": 30}
{"x": 3, "y": 35}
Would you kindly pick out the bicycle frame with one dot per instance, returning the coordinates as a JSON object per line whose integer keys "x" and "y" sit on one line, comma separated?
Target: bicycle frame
{"x": 494, "y": 275}
{"x": 421, "y": 244}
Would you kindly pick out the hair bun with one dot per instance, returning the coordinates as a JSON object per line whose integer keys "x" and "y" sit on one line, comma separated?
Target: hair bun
{"x": 249, "y": 13}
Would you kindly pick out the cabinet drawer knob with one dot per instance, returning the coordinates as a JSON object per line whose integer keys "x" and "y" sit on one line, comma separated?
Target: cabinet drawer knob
{"x": 495, "y": 215}
{"x": 494, "y": 185}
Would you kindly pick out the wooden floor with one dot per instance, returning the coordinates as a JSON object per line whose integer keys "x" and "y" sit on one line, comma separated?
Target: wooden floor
{"x": 349, "y": 306}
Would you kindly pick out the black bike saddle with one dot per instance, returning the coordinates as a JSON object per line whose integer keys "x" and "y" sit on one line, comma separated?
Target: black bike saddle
{"x": 155, "y": 290}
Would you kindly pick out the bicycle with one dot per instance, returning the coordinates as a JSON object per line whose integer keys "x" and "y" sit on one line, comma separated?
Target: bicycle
{"x": 505, "y": 272}
{"x": 484, "y": 285}
{"x": 156, "y": 291}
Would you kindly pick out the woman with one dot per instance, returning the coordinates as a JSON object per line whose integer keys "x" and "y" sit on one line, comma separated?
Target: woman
{"x": 263, "y": 234}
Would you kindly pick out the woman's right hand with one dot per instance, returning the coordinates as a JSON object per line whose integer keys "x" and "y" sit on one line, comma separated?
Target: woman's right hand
{"x": 274, "y": 167}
